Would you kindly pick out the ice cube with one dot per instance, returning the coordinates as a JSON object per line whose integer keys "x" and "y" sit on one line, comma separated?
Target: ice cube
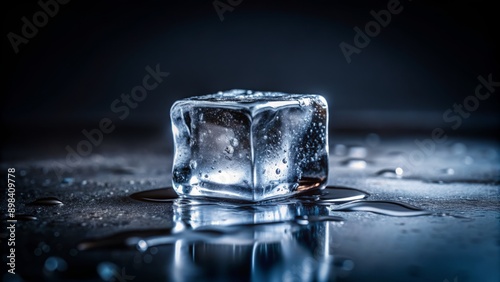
{"x": 250, "y": 146}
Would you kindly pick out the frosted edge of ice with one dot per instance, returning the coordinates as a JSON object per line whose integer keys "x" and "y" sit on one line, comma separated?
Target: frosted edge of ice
{"x": 254, "y": 101}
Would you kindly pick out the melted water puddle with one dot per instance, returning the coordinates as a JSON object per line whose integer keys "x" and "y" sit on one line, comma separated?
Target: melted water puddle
{"x": 341, "y": 195}
{"x": 222, "y": 222}
{"x": 328, "y": 195}
{"x": 296, "y": 236}
{"x": 382, "y": 207}
{"x": 231, "y": 234}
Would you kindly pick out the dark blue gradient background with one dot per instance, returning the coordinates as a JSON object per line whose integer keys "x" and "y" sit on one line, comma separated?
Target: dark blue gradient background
{"x": 424, "y": 61}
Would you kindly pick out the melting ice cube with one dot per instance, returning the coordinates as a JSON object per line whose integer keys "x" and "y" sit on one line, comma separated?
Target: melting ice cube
{"x": 250, "y": 146}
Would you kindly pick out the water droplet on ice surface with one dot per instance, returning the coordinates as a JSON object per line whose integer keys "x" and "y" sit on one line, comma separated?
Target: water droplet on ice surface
{"x": 234, "y": 142}
{"x": 193, "y": 164}
{"x": 229, "y": 150}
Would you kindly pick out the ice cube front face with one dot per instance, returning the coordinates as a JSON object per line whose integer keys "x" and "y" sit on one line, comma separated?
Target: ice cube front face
{"x": 249, "y": 146}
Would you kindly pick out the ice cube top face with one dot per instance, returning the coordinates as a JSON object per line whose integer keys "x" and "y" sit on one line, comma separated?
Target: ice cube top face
{"x": 249, "y": 146}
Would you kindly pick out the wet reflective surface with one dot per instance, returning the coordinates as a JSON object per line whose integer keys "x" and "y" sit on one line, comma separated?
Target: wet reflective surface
{"x": 381, "y": 218}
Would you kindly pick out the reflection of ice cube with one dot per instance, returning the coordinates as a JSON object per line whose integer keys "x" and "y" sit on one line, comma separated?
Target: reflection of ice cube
{"x": 247, "y": 254}
{"x": 194, "y": 214}
{"x": 249, "y": 146}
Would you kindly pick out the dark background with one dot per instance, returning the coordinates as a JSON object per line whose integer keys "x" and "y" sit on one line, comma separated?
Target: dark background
{"x": 428, "y": 58}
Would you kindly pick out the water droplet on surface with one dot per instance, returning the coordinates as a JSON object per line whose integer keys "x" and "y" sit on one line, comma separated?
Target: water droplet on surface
{"x": 382, "y": 207}
{"x": 25, "y": 217}
{"x": 55, "y": 263}
{"x": 142, "y": 245}
{"x": 354, "y": 163}
{"x": 229, "y": 150}
{"x": 121, "y": 170}
{"x": 389, "y": 172}
{"x": 332, "y": 194}
{"x": 234, "y": 142}
{"x": 107, "y": 271}
{"x": 193, "y": 164}
{"x": 449, "y": 171}
{"x": 284, "y": 160}
{"x": 48, "y": 201}
{"x": 67, "y": 180}
{"x": 278, "y": 171}
{"x": 156, "y": 195}
{"x": 399, "y": 171}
